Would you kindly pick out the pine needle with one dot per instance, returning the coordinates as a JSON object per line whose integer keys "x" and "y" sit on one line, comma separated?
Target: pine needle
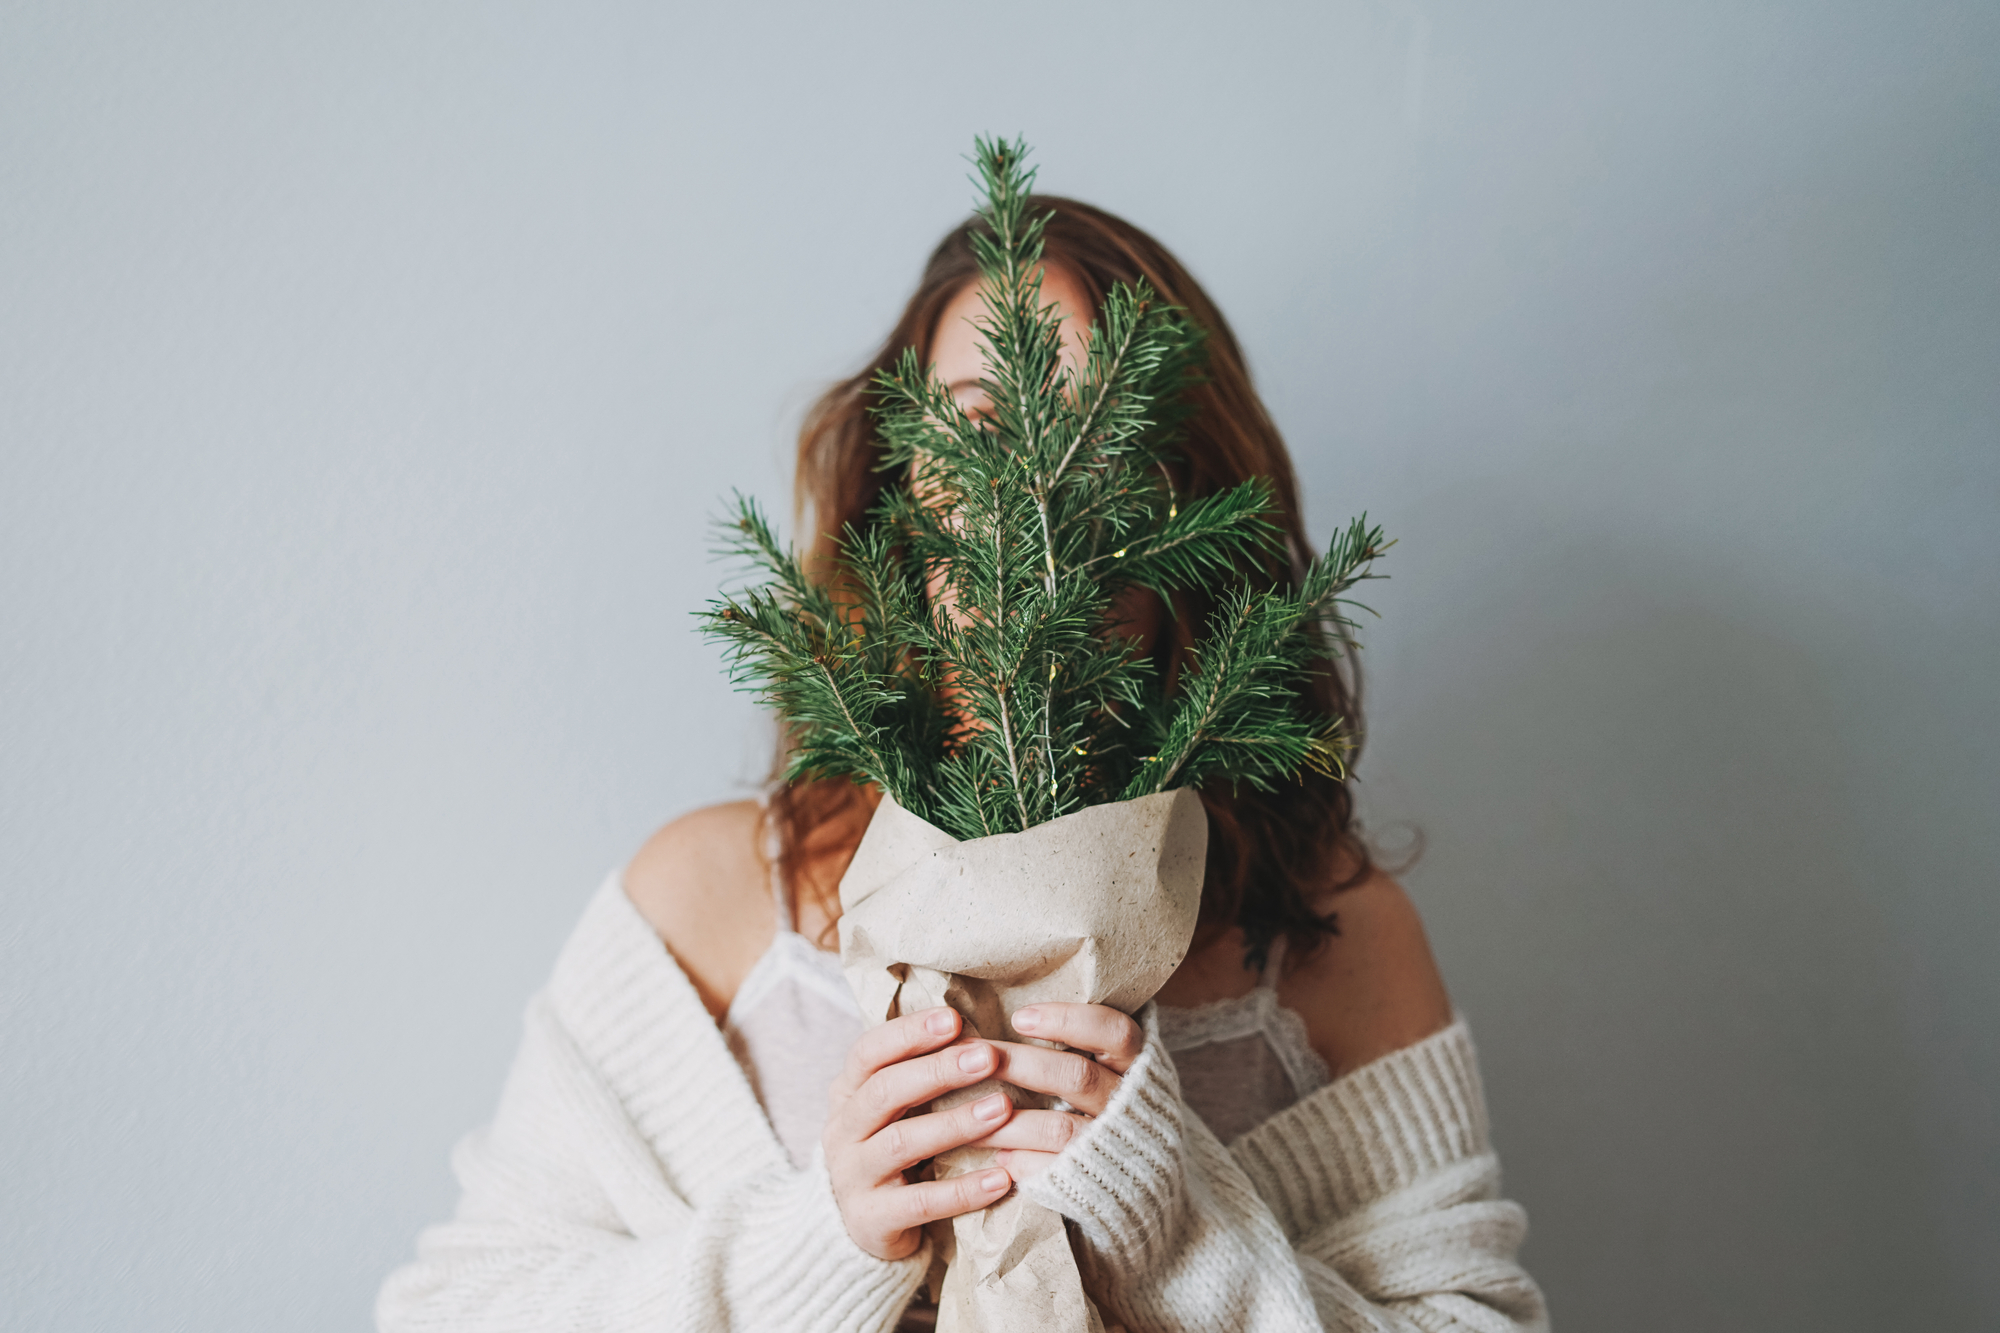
{"x": 959, "y": 655}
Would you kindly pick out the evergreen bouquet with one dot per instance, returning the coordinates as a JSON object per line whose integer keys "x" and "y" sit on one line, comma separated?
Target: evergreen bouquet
{"x": 1039, "y": 837}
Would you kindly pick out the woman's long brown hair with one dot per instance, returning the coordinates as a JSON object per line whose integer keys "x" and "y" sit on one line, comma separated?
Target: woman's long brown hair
{"x": 1271, "y": 855}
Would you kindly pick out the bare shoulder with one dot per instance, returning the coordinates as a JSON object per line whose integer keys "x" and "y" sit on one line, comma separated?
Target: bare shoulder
{"x": 701, "y": 883}
{"x": 1374, "y": 988}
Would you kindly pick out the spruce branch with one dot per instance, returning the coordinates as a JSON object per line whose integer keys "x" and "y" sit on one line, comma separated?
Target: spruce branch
{"x": 959, "y": 651}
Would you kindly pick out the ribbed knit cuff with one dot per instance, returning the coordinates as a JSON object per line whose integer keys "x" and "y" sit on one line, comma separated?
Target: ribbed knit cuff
{"x": 1122, "y": 1180}
{"x": 1378, "y": 1129}
{"x": 813, "y": 1275}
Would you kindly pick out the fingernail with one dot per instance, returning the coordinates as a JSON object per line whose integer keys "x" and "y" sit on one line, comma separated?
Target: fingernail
{"x": 974, "y": 1058}
{"x": 993, "y": 1180}
{"x": 939, "y": 1023}
{"x": 990, "y": 1108}
{"x": 1026, "y": 1019}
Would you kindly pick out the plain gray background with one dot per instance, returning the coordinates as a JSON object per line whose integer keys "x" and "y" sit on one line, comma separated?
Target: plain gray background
{"x": 369, "y": 371}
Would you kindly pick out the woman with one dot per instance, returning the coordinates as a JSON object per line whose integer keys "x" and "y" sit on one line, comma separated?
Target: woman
{"x": 706, "y": 1135}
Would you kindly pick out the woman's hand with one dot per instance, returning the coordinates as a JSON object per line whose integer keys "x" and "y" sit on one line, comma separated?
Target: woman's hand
{"x": 1102, "y": 1044}
{"x": 869, "y": 1143}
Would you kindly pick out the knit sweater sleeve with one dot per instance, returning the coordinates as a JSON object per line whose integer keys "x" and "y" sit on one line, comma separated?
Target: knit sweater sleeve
{"x": 613, "y": 1192}
{"x": 1370, "y": 1205}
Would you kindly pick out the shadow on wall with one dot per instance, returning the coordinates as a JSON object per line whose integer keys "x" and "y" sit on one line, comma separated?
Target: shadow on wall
{"x": 1650, "y": 883}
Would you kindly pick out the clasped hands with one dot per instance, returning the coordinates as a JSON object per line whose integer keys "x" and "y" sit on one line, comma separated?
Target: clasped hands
{"x": 872, "y": 1138}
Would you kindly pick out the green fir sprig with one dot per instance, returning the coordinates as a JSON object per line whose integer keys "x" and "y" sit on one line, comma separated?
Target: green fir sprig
{"x": 962, "y": 653}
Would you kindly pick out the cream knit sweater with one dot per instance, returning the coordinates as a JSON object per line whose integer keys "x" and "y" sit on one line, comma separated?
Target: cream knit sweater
{"x": 631, "y": 1182}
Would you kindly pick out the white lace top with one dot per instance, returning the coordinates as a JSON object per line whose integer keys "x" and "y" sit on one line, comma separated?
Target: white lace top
{"x": 1240, "y": 1060}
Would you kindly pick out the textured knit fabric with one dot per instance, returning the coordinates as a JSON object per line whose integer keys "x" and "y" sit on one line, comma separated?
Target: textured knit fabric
{"x": 631, "y": 1182}
{"x": 1380, "y": 1191}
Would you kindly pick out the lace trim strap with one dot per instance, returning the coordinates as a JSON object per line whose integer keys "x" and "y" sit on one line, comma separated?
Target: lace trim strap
{"x": 774, "y": 852}
{"x": 1274, "y": 964}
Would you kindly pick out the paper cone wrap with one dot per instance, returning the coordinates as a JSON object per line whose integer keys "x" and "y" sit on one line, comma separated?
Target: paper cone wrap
{"x": 1097, "y": 907}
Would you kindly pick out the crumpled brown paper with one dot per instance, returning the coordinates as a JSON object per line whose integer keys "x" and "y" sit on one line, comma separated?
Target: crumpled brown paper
{"x": 1097, "y": 907}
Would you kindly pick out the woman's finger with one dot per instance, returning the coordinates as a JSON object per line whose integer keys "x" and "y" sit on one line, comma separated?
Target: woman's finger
{"x": 892, "y": 1090}
{"x": 935, "y": 1200}
{"x": 901, "y": 1144}
{"x": 1023, "y": 1163}
{"x": 1076, "y": 1079}
{"x": 1095, "y": 1029}
{"x": 892, "y": 1042}
{"x": 1038, "y": 1131}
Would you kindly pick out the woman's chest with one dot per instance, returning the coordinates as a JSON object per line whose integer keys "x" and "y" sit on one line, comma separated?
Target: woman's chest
{"x": 1241, "y": 1058}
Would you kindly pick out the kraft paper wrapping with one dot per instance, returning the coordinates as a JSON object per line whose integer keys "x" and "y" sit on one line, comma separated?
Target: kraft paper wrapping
{"x": 1097, "y": 907}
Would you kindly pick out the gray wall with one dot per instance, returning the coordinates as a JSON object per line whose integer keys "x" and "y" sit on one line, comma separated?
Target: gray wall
{"x": 367, "y": 372}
